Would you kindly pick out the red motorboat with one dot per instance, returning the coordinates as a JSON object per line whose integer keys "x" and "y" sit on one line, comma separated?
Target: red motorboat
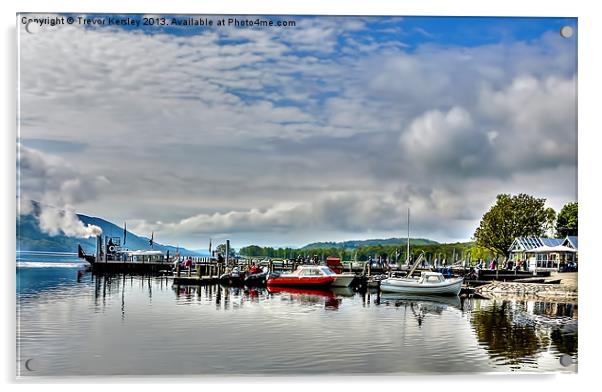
{"x": 304, "y": 276}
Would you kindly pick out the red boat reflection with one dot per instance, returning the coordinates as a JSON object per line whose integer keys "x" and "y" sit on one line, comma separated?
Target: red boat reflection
{"x": 301, "y": 291}
{"x": 308, "y": 296}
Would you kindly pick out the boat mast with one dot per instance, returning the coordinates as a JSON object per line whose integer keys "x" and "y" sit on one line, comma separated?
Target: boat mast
{"x": 408, "y": 242}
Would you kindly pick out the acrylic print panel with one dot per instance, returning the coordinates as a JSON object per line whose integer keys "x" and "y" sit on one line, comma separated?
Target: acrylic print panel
{"x": 284, "y": 195}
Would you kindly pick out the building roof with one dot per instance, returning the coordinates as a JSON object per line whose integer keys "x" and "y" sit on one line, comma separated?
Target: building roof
{"x": 552, "y": 241}
{"x": 572, "y": 241}
{"x": 531, "y": 243}
{"x": 558, "y": 248}
{"x": 528, "y": 243}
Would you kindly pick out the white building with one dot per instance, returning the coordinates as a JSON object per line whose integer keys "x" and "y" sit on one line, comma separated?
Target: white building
{"x": 544, "y": 254}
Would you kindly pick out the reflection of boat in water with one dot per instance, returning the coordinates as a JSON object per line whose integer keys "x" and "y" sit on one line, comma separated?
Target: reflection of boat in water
{"x": 433, "y": 300}
{"x": 422, "y": 305}
{"x": 429, "y": 283}
{"x": 343, "y": 291}
{"x": 301, "y": 291}
{"x": 309, "y": 296}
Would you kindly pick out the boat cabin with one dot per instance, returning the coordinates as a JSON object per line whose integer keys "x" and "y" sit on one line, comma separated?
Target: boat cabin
{"x": 313, "y": 270}
{"x": 431, "y": 277}
{"x": 145, "y": 256}
{"x": 334, "y": 263}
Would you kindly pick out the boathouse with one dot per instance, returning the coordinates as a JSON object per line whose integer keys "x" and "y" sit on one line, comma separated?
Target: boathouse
{"x": 544, "y": 254}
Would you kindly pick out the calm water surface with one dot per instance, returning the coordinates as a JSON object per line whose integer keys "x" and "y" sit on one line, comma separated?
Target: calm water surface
{"x": 73, "y": 323}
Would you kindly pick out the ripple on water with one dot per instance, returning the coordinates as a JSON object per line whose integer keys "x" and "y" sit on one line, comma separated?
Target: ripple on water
{"x": 132, "y": 325}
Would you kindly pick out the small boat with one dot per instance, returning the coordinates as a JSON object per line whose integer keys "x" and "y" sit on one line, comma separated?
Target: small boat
{"x": 304, "y": 275}
{"x": 234, "y": 277}
{"x": 257, "y": 279}
{"x": 429, "y": 283}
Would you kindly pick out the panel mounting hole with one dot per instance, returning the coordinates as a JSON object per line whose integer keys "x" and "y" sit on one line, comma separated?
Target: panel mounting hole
{"x": 566, "y": 31}
{"x": 566, "y": 360}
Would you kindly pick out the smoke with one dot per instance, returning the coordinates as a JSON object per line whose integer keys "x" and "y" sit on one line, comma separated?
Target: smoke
{"x": 55, "y": 221}
{"x": 57, "y": 186}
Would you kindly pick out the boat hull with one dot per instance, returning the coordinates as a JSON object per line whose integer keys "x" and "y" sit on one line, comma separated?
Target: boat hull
{"x": 295, "y": 281}
{"x": 256, "y": 279}
{"x": 414, "y": 287}
{"x": 343, "y": 280}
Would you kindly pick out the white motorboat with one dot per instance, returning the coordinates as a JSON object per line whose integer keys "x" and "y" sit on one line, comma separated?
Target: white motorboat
{"x": 340, "y": 280}
{"x": 429, "y": 283}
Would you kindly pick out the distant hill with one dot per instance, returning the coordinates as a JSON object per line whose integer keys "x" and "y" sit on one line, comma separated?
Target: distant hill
{"x": 353, "y": 244}
{"x": 31, "y": 238}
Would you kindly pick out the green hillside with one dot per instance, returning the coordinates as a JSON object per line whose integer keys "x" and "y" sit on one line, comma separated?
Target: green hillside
{"x": 354, "y": 244}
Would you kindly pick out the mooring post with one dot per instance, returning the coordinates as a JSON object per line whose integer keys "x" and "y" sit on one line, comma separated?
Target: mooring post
{"x": 369, "y": 269}
{"x": 178, "y": 269}
{"x": 198, "y": 270}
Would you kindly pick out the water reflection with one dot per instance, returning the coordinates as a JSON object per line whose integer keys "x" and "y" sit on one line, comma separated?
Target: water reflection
{"x": 306, "y": 296}
{"x": 421, "y": 306}
{"x": 517, "y": 332}
{"x": 115, "y": 316}
{"x": 37, "y": 281}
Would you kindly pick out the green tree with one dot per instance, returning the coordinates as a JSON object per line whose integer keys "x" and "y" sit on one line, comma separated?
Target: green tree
{"x": 566, "y": 223}
{"x": 550, "y": 222}
{"x": 222, "y": 249}
{"x": 511, "y": 216}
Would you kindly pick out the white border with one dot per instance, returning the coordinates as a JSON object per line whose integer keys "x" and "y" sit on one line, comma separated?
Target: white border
{"x": 589, "y": 162}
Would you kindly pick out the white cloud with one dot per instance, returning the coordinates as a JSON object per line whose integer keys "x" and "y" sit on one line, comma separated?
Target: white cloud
{"x": 56, "y": 186}
{"x": 280, "y": 128}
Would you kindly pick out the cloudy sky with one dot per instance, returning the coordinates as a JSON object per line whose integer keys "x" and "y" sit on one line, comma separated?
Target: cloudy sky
{"x": 326, "y": 131}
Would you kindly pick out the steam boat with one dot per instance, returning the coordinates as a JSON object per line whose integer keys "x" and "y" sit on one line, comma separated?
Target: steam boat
{"x": 111, "y": 257}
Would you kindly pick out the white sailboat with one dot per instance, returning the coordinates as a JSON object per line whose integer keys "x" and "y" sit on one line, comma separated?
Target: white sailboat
{"x": 429, "y": 283}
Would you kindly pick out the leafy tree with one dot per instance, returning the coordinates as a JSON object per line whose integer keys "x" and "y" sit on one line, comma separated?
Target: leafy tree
{"x": 222, "y": 249}
{"x": 511, "y": 216}
{"x": 566, "y": 224}
{"x": 550, "y": 222}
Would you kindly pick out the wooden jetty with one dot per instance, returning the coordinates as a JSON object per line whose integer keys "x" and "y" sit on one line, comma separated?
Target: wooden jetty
{"x": 207, "y": 273}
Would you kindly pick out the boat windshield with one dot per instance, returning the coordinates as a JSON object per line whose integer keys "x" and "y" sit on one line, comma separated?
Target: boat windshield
{"x": 311, "y": 272}
{"x": 327, "y": 271}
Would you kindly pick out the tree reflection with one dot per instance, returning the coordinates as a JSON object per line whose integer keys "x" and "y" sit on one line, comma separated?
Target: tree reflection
{"x": 565, "y": 342}
{"x": 495, "y": 328}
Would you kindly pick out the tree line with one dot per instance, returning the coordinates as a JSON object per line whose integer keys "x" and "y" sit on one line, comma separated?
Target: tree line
{"x": 511, "y": 216}
{"x": 391, "y": 253}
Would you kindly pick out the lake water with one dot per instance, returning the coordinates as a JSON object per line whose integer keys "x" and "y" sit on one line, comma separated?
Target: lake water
{"x": 71, "y": 322}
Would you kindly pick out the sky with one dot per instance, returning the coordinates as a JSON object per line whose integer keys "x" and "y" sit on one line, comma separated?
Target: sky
{"x": 326, "y": 131}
